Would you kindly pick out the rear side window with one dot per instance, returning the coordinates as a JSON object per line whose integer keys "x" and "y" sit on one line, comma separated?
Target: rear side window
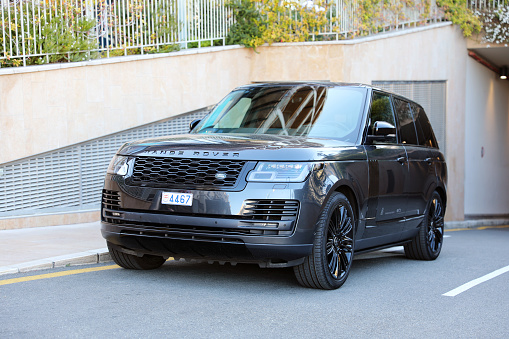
{"x": 424, "y": 131}
{"x": 407, "y": 130}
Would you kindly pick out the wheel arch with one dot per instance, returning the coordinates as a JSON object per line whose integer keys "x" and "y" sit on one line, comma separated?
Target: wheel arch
{"x": 441, "y": 191}
{"x": 351, "y": 196}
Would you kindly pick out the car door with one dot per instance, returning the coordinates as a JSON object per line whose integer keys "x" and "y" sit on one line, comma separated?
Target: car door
{"x": 388, "y": 167}
{"x": 420, "y": 170}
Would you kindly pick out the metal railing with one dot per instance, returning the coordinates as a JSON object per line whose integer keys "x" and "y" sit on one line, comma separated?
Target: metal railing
{"x": 487, "y": 4}
{"x": 44, "y": 31}
{"x": 35, "y": 30}
{"x": 343, "y": 17}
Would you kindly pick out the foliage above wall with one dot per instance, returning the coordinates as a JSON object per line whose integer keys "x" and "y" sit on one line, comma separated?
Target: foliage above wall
{"x": 41, "y": 32}
{"x": 46, "y": 31}
{"x": 496, "y": 25}
{"x": 458, "y": 12}
{"x": 268, "y": 21}
{"x": 64, "y": 34}
{"x": 247, "y": 29}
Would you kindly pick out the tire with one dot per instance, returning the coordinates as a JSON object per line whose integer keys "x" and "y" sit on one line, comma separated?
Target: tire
{"x": 133, "y": 262}
{"x": 428, "y": 243}
{"x": 328, "y": 266}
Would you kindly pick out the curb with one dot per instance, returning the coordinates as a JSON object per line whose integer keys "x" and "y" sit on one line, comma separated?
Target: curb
{"x": 465, "y": 224}
{"x": 83, "y": 258}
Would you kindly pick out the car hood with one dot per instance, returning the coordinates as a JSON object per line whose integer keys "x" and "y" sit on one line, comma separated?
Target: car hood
{"x": 244, "y": 147}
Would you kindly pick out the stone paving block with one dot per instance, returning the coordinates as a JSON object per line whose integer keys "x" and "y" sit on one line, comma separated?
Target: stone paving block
{"x": 78, "y": 259}
{"x": 35, "y": 265}
{"x": 8, "y": 270}
{"x": 104, "y": 257}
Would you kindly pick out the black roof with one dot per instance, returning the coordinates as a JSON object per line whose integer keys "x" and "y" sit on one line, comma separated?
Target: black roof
{"x": 319, "y": 83}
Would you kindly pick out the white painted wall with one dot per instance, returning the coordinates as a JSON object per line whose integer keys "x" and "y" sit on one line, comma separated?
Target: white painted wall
{"x": 486, "y": 126}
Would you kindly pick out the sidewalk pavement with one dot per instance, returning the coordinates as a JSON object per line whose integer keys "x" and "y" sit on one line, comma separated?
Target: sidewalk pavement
{"x": 30, "y": 249}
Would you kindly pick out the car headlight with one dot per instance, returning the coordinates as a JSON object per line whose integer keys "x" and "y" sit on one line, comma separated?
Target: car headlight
{"x": 280, "y": 172}
{"x": 118, "y": 165}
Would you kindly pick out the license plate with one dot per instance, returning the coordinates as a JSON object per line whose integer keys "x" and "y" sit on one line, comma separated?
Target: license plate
{"x": 184, "y": 199}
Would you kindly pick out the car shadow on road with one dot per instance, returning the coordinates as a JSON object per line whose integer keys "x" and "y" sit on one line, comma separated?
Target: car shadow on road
{"x": 252, "y": 277}
{"x": 247, "y": 276}
{"x": 379, "y": 259}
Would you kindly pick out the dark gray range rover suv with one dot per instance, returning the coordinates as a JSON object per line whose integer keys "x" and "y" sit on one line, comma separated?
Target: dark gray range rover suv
{"x": 282, "y": 174}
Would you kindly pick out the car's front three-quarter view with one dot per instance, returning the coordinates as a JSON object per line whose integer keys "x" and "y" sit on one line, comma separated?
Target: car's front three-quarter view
{"x": 301, "y": 175}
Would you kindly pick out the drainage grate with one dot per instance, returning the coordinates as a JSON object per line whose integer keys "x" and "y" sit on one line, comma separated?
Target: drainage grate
{"x": 70, "y": 179}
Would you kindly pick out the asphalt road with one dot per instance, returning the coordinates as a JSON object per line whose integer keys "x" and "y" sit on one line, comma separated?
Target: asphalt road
{"x": 386, "y": 296}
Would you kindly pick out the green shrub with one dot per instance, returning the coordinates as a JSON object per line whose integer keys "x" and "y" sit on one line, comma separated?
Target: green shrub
{"x": 65, "y": 34}
{"x": 458, "y": 12}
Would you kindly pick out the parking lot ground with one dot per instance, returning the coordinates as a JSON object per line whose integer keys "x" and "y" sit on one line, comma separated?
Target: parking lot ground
{"x": 385, "y": 296}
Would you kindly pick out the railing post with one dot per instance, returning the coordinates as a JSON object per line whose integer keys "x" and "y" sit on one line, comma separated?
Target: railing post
{"x": 183, "y": 23}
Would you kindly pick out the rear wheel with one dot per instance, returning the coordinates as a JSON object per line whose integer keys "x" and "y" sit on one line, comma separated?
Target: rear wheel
{"x": 130, "y": 261}
{"x": 328, "y": 266}
{"x": 427, "y": 244}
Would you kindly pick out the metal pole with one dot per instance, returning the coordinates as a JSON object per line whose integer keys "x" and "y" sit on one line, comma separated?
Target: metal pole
{"x": 182, "y": 22}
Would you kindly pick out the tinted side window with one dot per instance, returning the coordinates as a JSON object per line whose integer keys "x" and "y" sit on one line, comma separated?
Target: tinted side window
{"x": 424, "y": 130}
{"x": 406, "y": 122}
{"x": 381, "y": 110}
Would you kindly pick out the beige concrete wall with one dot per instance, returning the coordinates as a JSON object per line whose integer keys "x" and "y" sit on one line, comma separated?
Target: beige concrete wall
{"x": 44, "y": 110}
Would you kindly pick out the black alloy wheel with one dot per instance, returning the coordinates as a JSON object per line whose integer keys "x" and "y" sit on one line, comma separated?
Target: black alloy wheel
{"x": 339, "y": 243}
{"x": 428, "y": 243}
{"x": 328, "y": 266}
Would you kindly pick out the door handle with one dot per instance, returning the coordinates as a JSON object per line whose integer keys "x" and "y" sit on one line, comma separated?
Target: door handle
{"x": 401, "y": 160}
{"x": 429, "y": 160}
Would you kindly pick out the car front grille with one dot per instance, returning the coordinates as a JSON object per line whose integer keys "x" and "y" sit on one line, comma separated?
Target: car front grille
{"x": 186, "y": 173}
{"x": 271, "y": 209}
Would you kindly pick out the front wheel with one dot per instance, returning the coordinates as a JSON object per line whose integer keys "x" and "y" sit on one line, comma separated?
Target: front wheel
{"x": 130, "y": 261}
{"x": 427, "y": 244}
{"x": 327, "y": 267}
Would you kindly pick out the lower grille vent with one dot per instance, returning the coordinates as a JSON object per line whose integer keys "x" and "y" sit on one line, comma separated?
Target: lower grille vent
{"x": 189, "y": 232}
{"x": 111, "y": 200}
{"x": 181, "y": 236}
{"x": 271, "y": 209}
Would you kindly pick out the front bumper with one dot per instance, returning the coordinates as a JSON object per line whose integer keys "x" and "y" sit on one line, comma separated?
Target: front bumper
{"x": 215, "y": 228}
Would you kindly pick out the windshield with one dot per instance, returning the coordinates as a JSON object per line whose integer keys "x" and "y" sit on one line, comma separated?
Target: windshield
{"x": 314, "y": 111}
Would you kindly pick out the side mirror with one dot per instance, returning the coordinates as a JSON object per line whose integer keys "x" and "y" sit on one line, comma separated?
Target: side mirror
{"x": 193, "y": 124}
{"x": 383, "y": 128}
{"x": 382, "y": 131}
